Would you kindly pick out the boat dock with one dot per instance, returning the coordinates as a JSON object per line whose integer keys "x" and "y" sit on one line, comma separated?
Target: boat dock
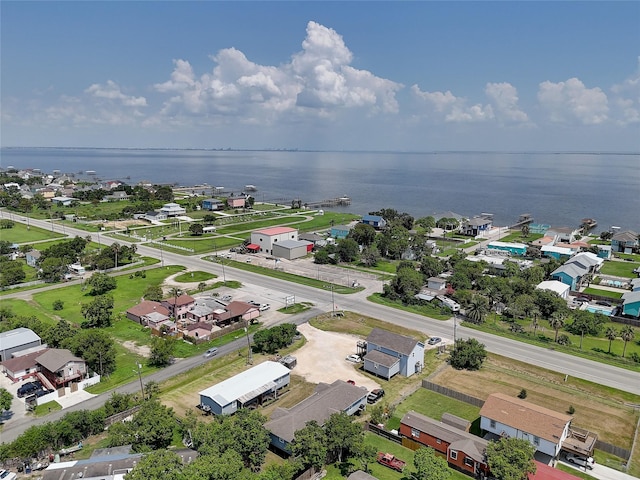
{"x": 524, "y": 219}
{"x": 331, "y": 202}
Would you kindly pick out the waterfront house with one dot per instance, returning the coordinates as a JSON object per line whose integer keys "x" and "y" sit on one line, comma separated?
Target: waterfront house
{"x": 389, "y": 353}
{"x": 173, "y": 210}
{"x": 477, "y": 226}
{"x": 511, "y": 248}
{"x": 245, "y": 389}
{"x": 626, "y": 241}
{"x": 376, "y": 221}
{"x": 236, "y": 202}
{"x": 212, "y": 204}
{"x": 463, "y": 451}
{"x": 340, "y": 231}
{"x": 563, "y": 234}
{"x": 546, "y": 430}
{"x": 326, "y": 400}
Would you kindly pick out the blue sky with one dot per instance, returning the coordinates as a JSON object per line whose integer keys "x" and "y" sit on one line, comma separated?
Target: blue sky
{"x": 416, "y": 76}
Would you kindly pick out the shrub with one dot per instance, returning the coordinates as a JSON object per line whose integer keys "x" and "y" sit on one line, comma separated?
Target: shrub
{"x": 564, "y": 340}
{"x": 522, "y": 394}
{"x": 58, "y": 305}
{"x": 571, "y": 410}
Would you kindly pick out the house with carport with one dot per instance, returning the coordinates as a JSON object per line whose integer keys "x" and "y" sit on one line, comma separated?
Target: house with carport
{"x": 326, "y": 400}
{"x": 505, "y": 415}
{"x": 251, "y": 387}
{"x": 388, "y": 354}
{"x": 464, "y": 451}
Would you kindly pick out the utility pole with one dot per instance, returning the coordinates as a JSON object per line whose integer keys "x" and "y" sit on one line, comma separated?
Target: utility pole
{"x": 249, "y": 353}
{"x": 139, "y": 365}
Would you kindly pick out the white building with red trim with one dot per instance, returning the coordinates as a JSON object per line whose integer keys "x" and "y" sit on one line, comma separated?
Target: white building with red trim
{"x": 265, "y": 239}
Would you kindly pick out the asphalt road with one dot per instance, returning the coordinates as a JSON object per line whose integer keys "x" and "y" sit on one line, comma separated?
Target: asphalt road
{"x": 277, "y": 290}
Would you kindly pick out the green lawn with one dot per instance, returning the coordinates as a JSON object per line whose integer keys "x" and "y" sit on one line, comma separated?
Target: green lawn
{"x": 25, "y": 234}
{"x": 619, "y": 269}
{"x": 197, "y": 276}
{"x": 604, "y": 293}
{"x": 519, "y": 238}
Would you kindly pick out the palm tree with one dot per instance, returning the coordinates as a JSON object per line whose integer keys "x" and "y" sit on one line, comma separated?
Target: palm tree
{"x": 611, "y": 334}
{"x": 477, "y": 308}
{"x": 557, "y": 322}
{"x": 626, "y": 334}
{"x": 525, "y": 230}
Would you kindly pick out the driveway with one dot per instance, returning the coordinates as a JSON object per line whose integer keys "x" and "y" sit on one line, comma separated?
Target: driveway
{"x": 602, "y": 472}
{"x": 322, "y": 358}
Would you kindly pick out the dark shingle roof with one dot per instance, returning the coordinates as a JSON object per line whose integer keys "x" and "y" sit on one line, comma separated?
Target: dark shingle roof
{"x": 56, "y": 358}
{"x": 381, "y": 358}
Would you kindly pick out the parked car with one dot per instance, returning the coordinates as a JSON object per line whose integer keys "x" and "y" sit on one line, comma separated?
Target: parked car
{"x": 351, "y": 382}
{"x": 587, "y": 462}
{"x": 434, "y": 340}
{"x": 264, "y": 307}
{"x": 226, "y": 298}
{"x": 254, "y": 303}
{"x": 375, "y": 395}
{"x": 28, "y": 388}
{"x": 604, "y": 303}
{"x": 353, "y": 358}
{"x": 7, "y": 475}
{"x": 211, "y": 352}
{"x": 582, "y": 300}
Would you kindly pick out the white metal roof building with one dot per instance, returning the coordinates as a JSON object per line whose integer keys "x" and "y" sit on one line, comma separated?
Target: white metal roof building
{"x": 560, "y": 288}
{"x": 250, "y": 386}
{"x": 17, "y": 340}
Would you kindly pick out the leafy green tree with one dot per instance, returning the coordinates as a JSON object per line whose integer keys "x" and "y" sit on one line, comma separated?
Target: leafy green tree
{"x": 118, "y": 402}
{"x": 343, "y": 436}
{"x": 468, "y": 354}
{"x": 153, "y": 293}
{"x": 158, "y": 465}
{"x": 52, "y": 269}
{"x": 196, "y": 229}
{"x": 282, "y": 471}
{"x": 221, "y": 466}
{"x": 363, "y": 234}
{"x": 430, "y": 466}
{"x": 310, "y": 445}
{"x": 161, "y": 351}
{"x": 370, "y": 256}
{"x": 627, "y": 334}
{"x": 511, "y": 458}
{"x": 431, "y": 267}
{"x": 152, "y": 426}
{"x": 97, "y": 313}
{"x": 96, "y": 347}
{"x": 101, "y": 283}
{"x": 393, "y": 241}
{"x": 404, "y": 285}
{"x": 427, "y": 223}
{"x": 56, "y": 335}
{"x": 5, "y": 400}
{"x": 11, "y": 272}
{"x": 611, "y": 334}
{"x": 323, "y": 257}
{"x": 348, "y": 250}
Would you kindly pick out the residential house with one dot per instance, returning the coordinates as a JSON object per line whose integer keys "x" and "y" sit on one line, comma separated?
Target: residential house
{"x": 199, "y": 331}
{"x": 203, "y": 310}
{"x": 179, "y": 306}
{"x": 266, "y": 238}
{"x": 635, "y": 285}
{"x": 463, "y": 451}
{"x": 23, "y": 364}
{"x": 173, "y": 210}
{"x": 326, "y": 400}
{"x": 32, "y": 257}
{"x": 237, "y": 202}
{"x": 317, "y": 240}
{"x": 563, "y": 234}
{"x": 235, "y": 312}
{"x": 507, "y": 415}
{"x": 17, "y": 340}
{"x": 588, "y": 260}
{"x": 511, "y": 248}
{"x": 562, "y": 289}
{"x": 559, "y": 253}
{"x": 339, "y": 231}
{"x": 376, "y": 221}
{"x": 437, "y": 283}
{"x": 148, "y": 313}
{"x": 604, "y": 251}
{"x": 212, "y": 204}
{"x": 626, "y": 241}
{"x": 631, "y": 303}
{"x": 60, "y": 367}
{"x": 62, "y": 201}
{"x": 389, "y": 353}
{"x": 154, "y": 216}
{"x": 251, "y": 387}
{"x": 477, "y": 226}
{"x": 116, "y": 196}
{"x": 570, "y": 274}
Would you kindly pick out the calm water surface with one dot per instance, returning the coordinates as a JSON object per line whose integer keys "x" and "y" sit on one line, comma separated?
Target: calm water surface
{"x": 559, "y": 189}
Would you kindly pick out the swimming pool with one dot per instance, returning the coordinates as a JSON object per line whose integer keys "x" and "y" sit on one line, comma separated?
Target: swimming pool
{"x": 603, "y": 311}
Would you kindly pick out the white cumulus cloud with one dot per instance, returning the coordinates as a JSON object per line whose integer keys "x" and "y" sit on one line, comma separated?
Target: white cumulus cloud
{"x": 111, "y": 91}
{"x": 572, "y": 101}
{"x": 504, "y": 97}
{"x": 626, "y": 98}
{"x": 452, "y": 108}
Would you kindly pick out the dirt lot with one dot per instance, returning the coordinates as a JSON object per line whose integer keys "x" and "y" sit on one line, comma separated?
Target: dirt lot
{"x": 322, "y": 358}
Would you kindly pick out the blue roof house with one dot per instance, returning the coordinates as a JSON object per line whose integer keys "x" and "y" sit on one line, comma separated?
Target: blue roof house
{"x": 631, "y": 305}
{"x": 570, "y": 274}
{"x": 376, "y": 221}
{"x": 340, "y": 231}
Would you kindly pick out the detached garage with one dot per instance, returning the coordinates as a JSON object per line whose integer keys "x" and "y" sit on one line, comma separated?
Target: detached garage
{"x": 291, "y": 249}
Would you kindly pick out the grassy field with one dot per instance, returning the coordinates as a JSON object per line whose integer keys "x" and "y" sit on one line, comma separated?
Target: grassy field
{"x": 603, "y": 293}
{"x": 197, "y": 276}
{"x": 25, "y": 234}
{"x": 620, "y": 269}
{"x": 519, "y": 238}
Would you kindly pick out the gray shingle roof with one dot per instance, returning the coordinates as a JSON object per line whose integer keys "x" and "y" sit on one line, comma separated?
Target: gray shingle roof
{"x": 56, "y": 358}
{"x": 392, "y": 341}
{"x": 381, "y": 358}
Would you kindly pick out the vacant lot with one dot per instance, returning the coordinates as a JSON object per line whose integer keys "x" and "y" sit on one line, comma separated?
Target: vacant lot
{"x": 599, "y": 409}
